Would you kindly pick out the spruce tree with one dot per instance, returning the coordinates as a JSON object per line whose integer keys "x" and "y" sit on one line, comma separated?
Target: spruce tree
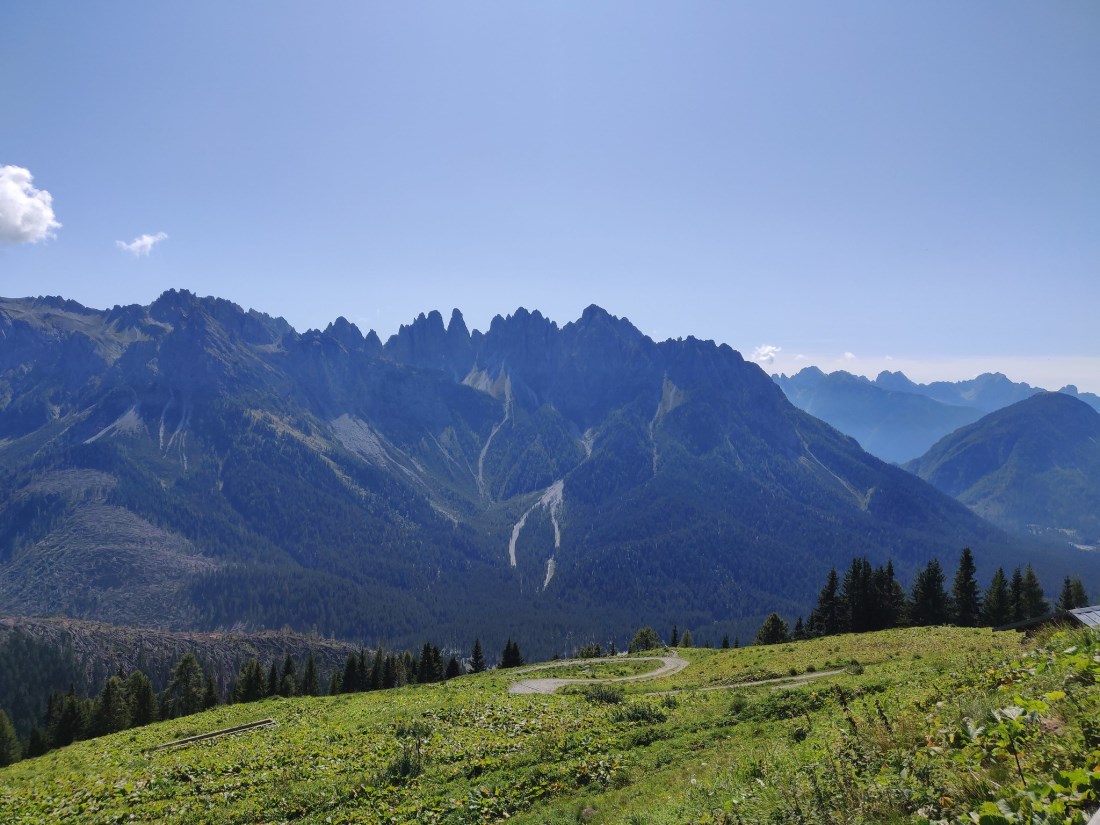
{"x": 645, "y": 638}
{"x": 772, "y": 631}
{"x": 311, "y": 682}
{"x": 674, "y": 639}
{"x": 350, "y": 683}
{"x": 334, "y": 683}
{"x": 186, "y": 691}
{"x": 1073, "y": 594}
{"x": 857, "y": 598}
{"x": 799, "y": 632}
{"x": 272, "y": 680}
{"x": 378, "y": 670}
{"x": 288, "y": 682}
{"x": 10, "y": 749}
{"x": 686, "y": 640}
{"x": 210, "y": 691}
{"x": 477, "y": 658}
{"x": 453, "y": 668}
{"x": 725, "y": 641}
{"x": 890, "y": 598}
{"x": 112, "y": 712}
{"x": 1016, "y": 596}
{"x": 997, "y": 605}
{"x": 38, "y": 743}
{"x": 141, "y": 699}
{"x": 929, "y": 604}
{"x": 1033, "y": 604}
{"x": 511, "y": 657}
{"x": 826, "y": 619}
{"x": 966, "y": 602}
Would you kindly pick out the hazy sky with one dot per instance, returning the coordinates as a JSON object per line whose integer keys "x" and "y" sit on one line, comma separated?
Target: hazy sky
{"x": 918, "y": 181}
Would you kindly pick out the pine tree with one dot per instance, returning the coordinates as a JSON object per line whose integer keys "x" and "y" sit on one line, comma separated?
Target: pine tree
{"x": 1032, "y": 602}
{"x": 857, "y": 599}
{"x": 288, "y": 681}
{"x": 141, "y": 698}
{"x": 272, "y": 680}
{"x": 772, "y": 631}
{"x": 378, "y": 670}
{"x": 966, "y": 602}
{"x": 210, "y": 691}
{"x": 997, "y": 605}
{"x": 1016, "y": 596}
{"x": 350, "y": 682}
{"x": 826, "y": 618}
{"x": 1073, "y": 594}
{"x": 453, "y": 668}
{"x": 334, "y": 686}
{"x": 311, "y": 683}
{"x": 511, "y": 657}
{"x": 674, "y": 639}
{"x": 929, "y": 604}
{"x": 645, "y": 638}
{"x": 686, "y": 640}
{"x": 186, "y": 691}
{"x": 112, "y": 712}
{"x": 64, "y": 719}
{"x": 725, "y": 641}
{"x": 477, "y": 658}
{"x": 799, "y": 632}
{"x": 364, "y": 670}
{"x": 890, "y": 597}
{"x": 10, "y": 749}
{"x": 38, "y": 743}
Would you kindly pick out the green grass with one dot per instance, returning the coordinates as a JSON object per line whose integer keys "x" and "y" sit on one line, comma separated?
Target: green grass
{"x": 616, "y": 668}
{"x": 855, "y": 747}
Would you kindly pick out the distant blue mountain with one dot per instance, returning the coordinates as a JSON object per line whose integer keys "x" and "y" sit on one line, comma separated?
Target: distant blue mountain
{"x": 897, "y": 419}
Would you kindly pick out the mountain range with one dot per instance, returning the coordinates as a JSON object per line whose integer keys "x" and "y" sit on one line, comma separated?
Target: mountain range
{"x": 192, "y": 465}
{"x": 898, "y": 419}
{"x": 1033, "y": 466}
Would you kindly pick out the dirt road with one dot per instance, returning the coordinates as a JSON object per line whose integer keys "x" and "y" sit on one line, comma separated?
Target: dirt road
{"x": 669, "y": 664}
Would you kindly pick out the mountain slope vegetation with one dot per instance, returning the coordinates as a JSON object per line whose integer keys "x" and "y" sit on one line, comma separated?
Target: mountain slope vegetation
{"x": 193, "y": 465}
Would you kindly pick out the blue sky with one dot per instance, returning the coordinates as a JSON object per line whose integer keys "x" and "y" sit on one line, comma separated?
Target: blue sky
{"x": 916, "y": 185}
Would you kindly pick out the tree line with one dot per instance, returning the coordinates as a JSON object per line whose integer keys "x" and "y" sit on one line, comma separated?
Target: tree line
{"x": 869, "y": 599}
{"x": 130, "y": 701}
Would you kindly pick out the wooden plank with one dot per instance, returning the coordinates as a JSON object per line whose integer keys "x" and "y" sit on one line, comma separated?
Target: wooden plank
{"x": 187, "y": 740}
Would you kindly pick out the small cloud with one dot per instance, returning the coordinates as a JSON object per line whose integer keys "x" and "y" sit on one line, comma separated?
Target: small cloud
{"x": 26, "y": 213}
{"x": 142, "y": 244}
{"x": 889, "y": 358}
{"x": 800, "y": 357}
{"x": 849, "y": 356}
{"x": 765, "y": 354}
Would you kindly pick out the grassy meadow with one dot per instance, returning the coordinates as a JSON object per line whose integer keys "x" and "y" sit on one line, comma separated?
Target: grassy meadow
{"x": 916, "y": 725}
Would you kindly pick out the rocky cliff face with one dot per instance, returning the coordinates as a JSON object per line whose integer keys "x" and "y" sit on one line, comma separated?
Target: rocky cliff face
{"x": 532, "y": 479}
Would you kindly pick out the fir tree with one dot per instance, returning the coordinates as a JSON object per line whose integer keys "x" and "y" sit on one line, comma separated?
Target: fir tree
{"x": 1032, "y": 602}
{"x": 350, "y": 683}
{"x": 477, "y": 658}
{"x": 210, "y": 691}
{"x": 453, "y": 668}
{"x": 311, "y": 683}
{"x": 826, "y": 619}
{"x": 857, "y": 599}
{"x": 272, "y": 680}
{"x": 64, "y": 720}
{"x": 250, "y": 682}
{"x": 929, "y": 604}
{"x": 725, "y": 641}
{"x": 997, "y": 607}
{"x": 686, "y": 640}
{"x": 38, "y": 743}
{"x": 1073, "y": 594}
{"x": 966, "y": 602}
{"x": 799, "y": 632}
{"x": 334, "y": 683}
{"x": 511, "y": 657}
{"x": 772, "y": 631}
{"x": 112, "y": 712}
{"x": 645, "y": 638}
{"x": 10, "y": 749}
{"x": 378, "y": 670}
{"x": 674, "y": 639}
{"x": 1016, "y": 596}
{"x": 141, "y": 698}
{"x": 890, "y": 597}
{"x": 186, "y": 691}
{"x": 288, "y": 681}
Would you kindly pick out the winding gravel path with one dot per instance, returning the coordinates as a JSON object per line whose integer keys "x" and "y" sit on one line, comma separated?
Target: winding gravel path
{"x": 669, "y": 665}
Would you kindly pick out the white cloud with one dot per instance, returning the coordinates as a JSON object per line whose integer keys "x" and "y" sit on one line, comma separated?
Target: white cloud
{"x": 26, "y": 213}
{"x": 142, "y": 244}
{"x": 849, "y": 356}
{"x": 765, "y": 354}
